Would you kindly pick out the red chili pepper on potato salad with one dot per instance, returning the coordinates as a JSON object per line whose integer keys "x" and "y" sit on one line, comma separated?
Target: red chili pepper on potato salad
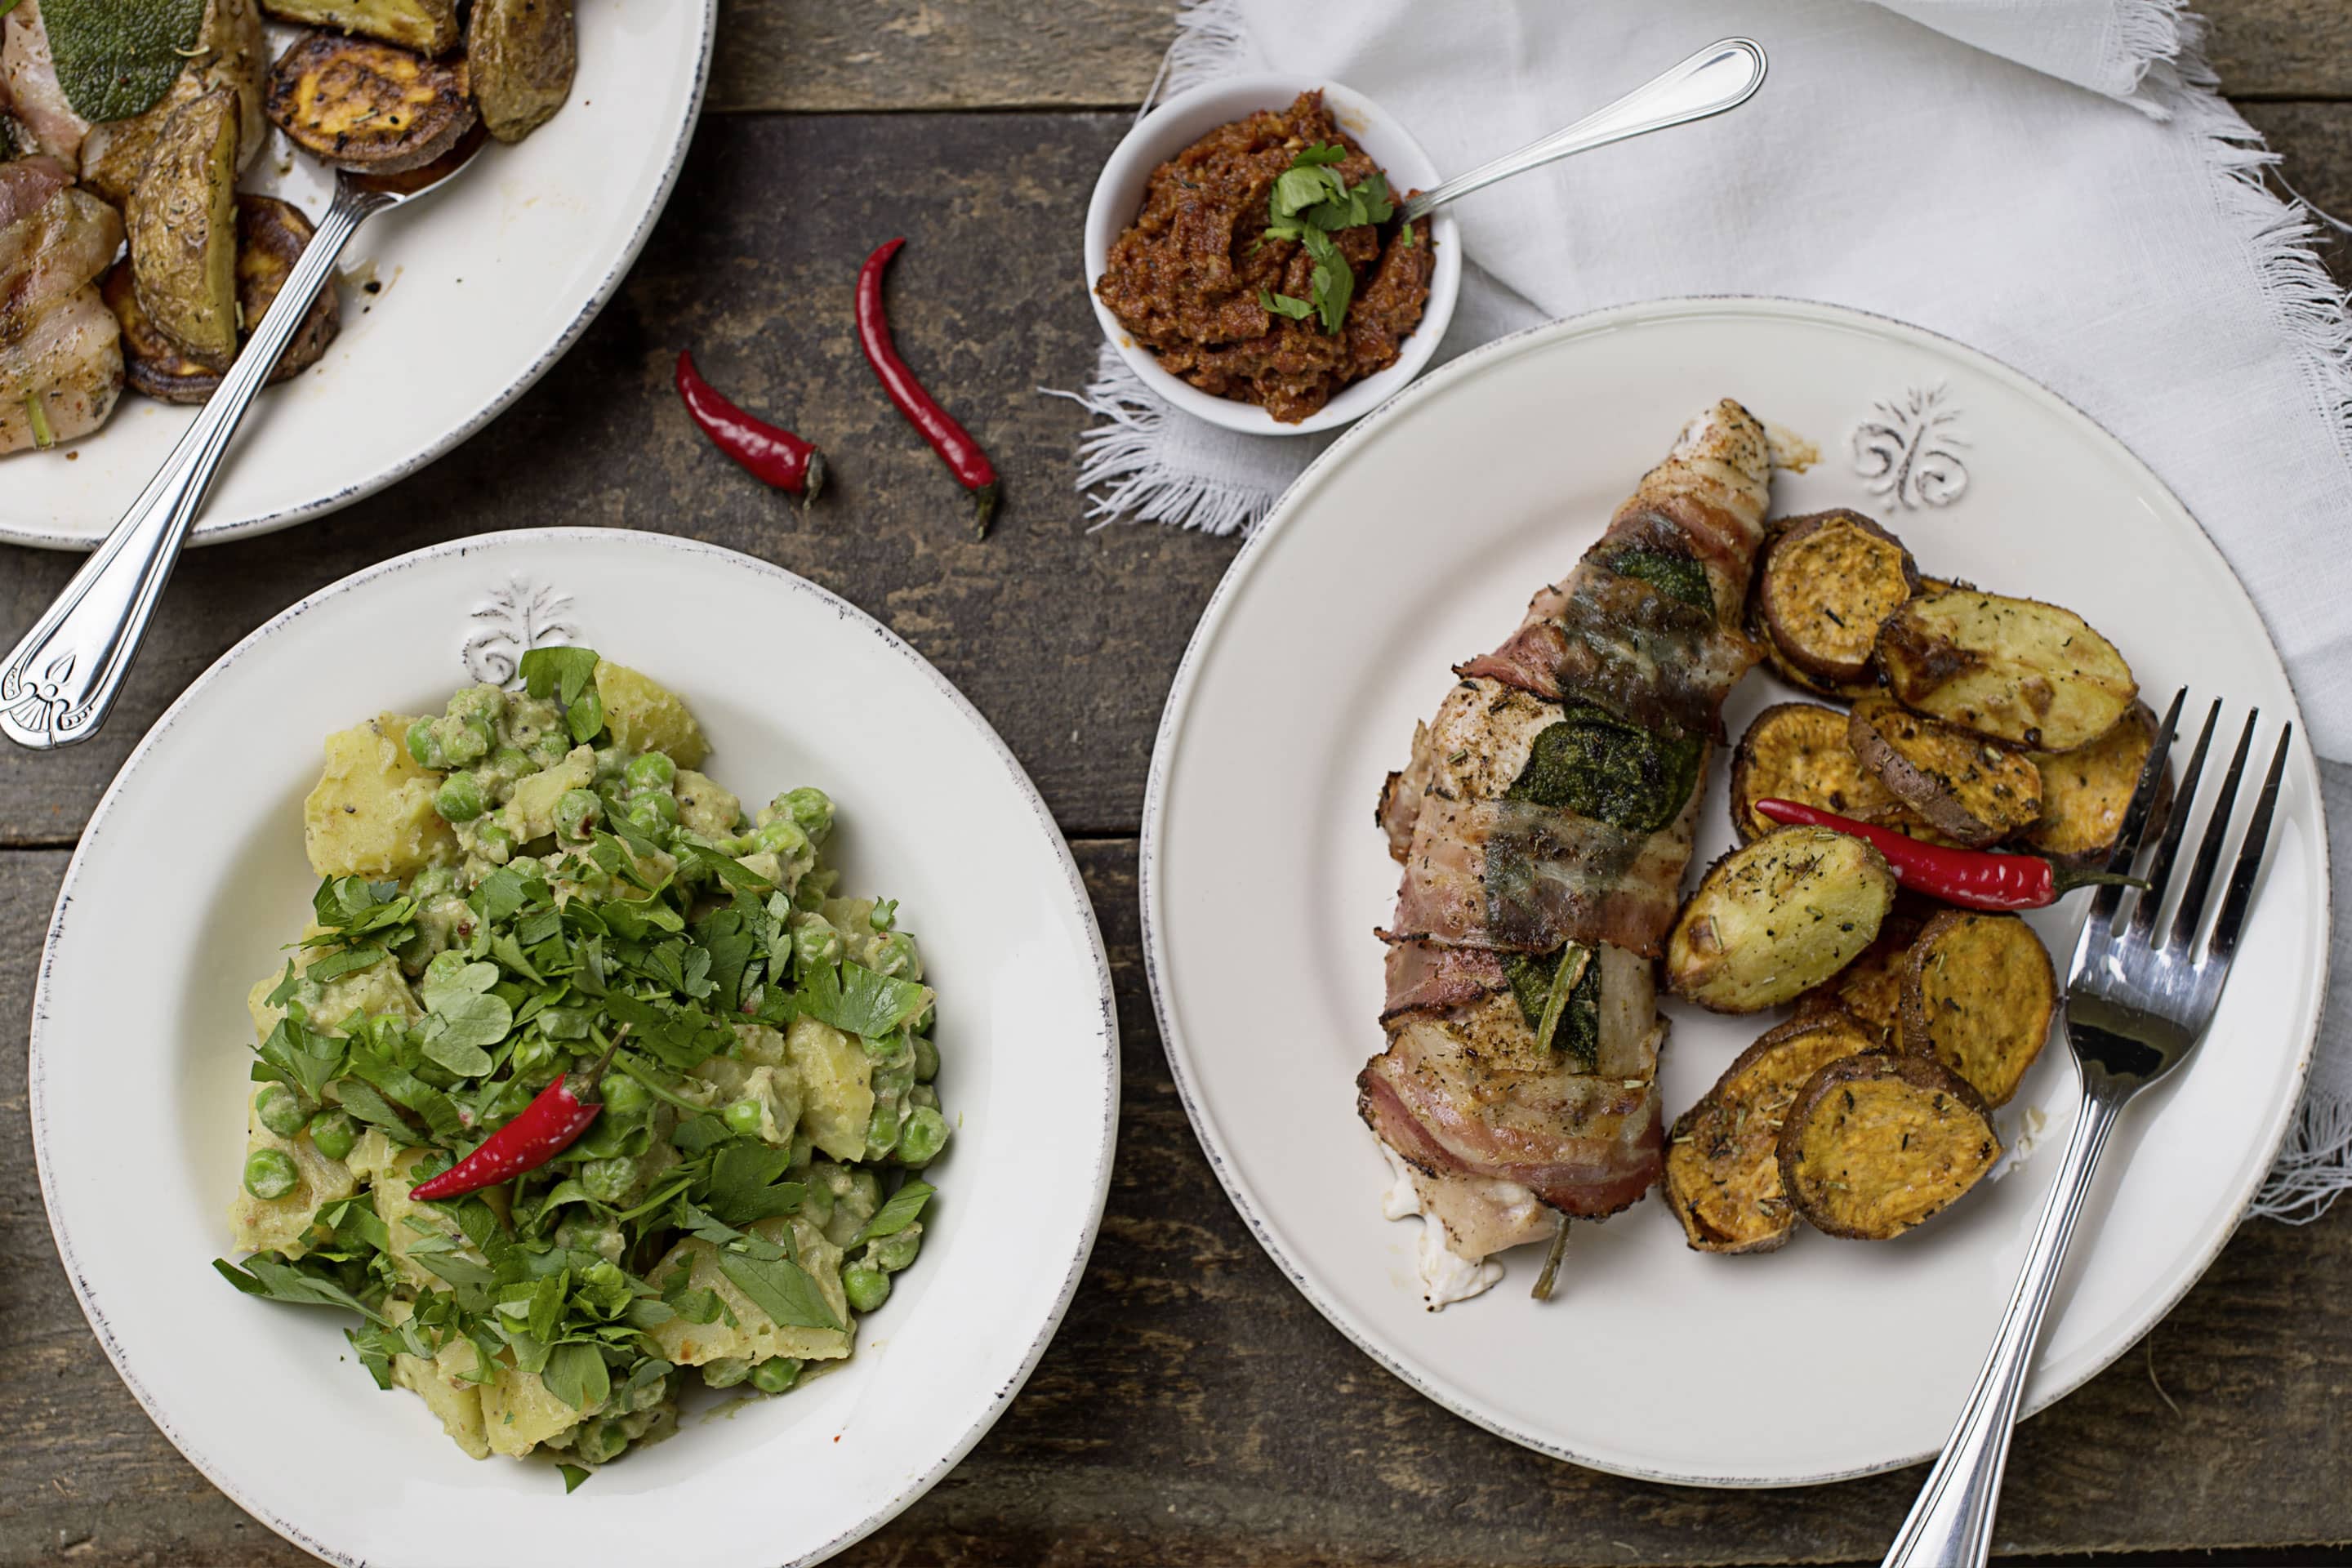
{"x": 949, "y": 439}
{"x": 549, "y": 1124}
{"x": 1970, "y": 878}
{"x": 769, "y": 453}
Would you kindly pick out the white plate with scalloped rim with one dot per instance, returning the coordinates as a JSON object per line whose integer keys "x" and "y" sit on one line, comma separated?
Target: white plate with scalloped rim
{"x": 1415, "y": 543}
{"x": 191, "y": 874}
{"x": 482, "y": 288}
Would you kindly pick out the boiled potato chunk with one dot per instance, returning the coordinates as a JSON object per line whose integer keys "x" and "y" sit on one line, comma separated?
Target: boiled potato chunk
{"x": 704, "y": 807}
{"x": 444, "y": 1386}
{"x": 520, "y": 1411}
{"x": 182, "y": 220}
{"x": 371, "y": 814}
{"x": 837, "y": 1080}
{"x": 755, "y": 1336}
{"x": 645, "y": 716}
{"x": 531, "y": 810}
{"x": 283, "y": 1225}
{"x": 428, "y": 27}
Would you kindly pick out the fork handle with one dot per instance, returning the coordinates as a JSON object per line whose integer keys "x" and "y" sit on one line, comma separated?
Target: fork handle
{"x": 1951, "y": 1524}
{"x": 57, "y": 685}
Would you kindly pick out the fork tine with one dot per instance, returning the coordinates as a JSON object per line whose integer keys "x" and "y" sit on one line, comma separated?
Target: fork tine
{"x": 2167, "y": 848}
{"x": 2098, "y": 925}
{"x": 2226, "y": 924}
{"x": 2193, "y": 892}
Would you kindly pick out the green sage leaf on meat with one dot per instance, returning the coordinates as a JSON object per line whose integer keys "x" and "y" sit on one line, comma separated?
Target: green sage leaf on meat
{"x": 116, "y": 59}
{"x": 780, "y": 1287}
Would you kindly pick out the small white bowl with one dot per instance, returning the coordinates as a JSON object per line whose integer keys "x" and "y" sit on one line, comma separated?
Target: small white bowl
{"x": 1184, "y": 120}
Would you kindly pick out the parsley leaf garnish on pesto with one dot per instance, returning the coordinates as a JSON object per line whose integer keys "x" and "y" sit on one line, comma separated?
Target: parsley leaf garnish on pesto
{"x": 1311, "y": 202}
{"x": 1284, "y": 305}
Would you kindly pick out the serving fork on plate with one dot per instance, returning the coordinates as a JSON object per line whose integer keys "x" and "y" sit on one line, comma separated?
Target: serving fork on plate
{"x": 2136, "y": 1008}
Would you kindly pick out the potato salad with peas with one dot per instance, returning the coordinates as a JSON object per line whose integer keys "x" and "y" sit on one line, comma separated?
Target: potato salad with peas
{"x": 582, "y": 1081}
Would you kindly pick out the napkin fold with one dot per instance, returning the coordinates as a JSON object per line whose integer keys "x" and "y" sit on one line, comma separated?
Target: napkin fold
{"x": 2057, "y": 183}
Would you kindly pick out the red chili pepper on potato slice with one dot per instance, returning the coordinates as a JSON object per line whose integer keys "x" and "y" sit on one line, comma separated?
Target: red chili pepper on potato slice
{"x": 769, "y": 453}
{"x": 549, "y": 1124}
{"x": 950, "y": 440}
{"x": 1971, "y": 879}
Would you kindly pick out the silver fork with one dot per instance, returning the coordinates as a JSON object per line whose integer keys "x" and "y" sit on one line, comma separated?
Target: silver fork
{"x": 2134, "y": 1011}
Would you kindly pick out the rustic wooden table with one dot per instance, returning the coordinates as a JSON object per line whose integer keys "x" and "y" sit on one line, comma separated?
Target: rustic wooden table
{"x": 1194, "y": 1408}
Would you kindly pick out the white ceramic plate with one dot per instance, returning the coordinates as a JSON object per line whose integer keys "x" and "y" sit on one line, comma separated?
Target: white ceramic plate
{"x": 192, "y": 874}
{"x": 482, "y": 288}
{"x": 1414, "y": 543}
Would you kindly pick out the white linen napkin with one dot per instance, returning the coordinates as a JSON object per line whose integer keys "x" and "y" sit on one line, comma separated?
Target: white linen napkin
{"x": 2054, "y": 183}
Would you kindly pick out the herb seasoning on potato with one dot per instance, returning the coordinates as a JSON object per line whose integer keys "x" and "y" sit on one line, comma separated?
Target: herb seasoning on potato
{"x": 182, "y": 227}
{"x": 1978, "y": 994}
{"x": 1876, "y": 1143}
{"x": 1826, "y": 583}
{"x": 2014, "y": 670}
{"x": 1964, "y": 786}
{"x": 1777, "y": 918}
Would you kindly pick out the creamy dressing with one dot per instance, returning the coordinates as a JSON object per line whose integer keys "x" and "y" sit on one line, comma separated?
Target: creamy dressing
{"x": 1446, "y": 1277}
{"x": 2033, "y": 1126}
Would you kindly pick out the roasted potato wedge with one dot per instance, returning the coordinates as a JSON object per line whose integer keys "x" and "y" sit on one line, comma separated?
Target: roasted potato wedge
{"x": 1777, "y": 917}
{"x": 1723, "y": 1166}
{"x": 1870, "y": 989}
{"x": 370, "y": 107}
{"x": 1845, "y": 691}
{"x": 2085, "y": 792}
{"x": 1825, "y": 583}
{"x": 428, "y": 27}
{"x": 231, "y": 52}
{"x": 1978, "y": 993}
{"x": 521, "y": 55}
{"x": 2016, "y": 670}
{"x": 1798, "y": 750}
{"x": 271, "y": 235}
{"x": 1876, "y": 1143}
{"x": 1960, "y": 784}
{"x": 182, "y": 221}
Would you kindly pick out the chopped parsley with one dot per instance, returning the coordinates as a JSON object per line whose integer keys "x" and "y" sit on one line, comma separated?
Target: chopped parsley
{"x": 1310, "y": 203}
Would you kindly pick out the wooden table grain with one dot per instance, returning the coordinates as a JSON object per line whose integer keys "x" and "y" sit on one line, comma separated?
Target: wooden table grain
{"x": 1194, "y": 1408}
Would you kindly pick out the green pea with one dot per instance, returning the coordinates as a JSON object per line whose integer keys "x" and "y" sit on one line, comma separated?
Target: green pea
{"x": 460, "y": 799}
{"x": 600, "y": 1441}
{"x": 814, "y": 942}
{"x": 527, "y": 865}
{"x": 424, "y": 745}
{"x": 552, "y": 748}
{"x": 465, "y": 742}
{"x": 433, "y": 882}
{"x": 776, "y": 1374}
{"x": 482, "y": 705}
{"x": 576, "y": 811}
{"x": 923, "y": 1094}
{"x": 334, "y": 1133}
{"x": 867, "y": 1288}
{"x": 816, "y": 1205}
{"x": 659, "y": 803}
{"x": 726, "y": 1372}
{"x": 882, "y": 1128}
{"x": 927, "y": 1059}
{"x": 494, "y": 843}
{"x": 270, "y": 1173}
{"x": 892, "y": 1253}
{"x": 811, "y": 809}
{"x": 895, "y": 954}
{"x": 609, "y": 1181}
{"x": 652, "y": 770}
{"x": 745, "y": 1118}
{"x": 625, "y": 1098}
{"x": 782, "y": 835}
{"x": 281, "y": 1110}
{"x": 512, "y": 762}
{"x": 923, "y": 1136}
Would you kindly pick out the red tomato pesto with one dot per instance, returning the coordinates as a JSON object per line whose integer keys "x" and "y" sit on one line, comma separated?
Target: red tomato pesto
{"x": 1185, "y": 277}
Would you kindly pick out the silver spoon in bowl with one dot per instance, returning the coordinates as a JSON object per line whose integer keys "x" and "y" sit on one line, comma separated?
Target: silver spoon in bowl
{"x": 57, "y": 684}
{"x": 1724, "y": 75}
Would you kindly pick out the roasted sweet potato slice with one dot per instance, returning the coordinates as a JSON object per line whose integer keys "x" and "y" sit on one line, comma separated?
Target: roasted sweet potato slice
{"x": 1870, "y": 989}
{"x": 1723, "y": 1166}
{"x": 1825, "y": 583}
{"x": 271, "y": 235}
{"x": 428, "y": 27}
{"x": 372, "y": 107}
{"x": 2016, "y": 670}
{"x": 2085, "y": 792}
{"x": 1876, "y": 1143}
{"x": 1798, "y": 750}
{"x": 1978, "y": 995}
{"x": 1960, "y": 784}
{"x": 1777, "y": 917}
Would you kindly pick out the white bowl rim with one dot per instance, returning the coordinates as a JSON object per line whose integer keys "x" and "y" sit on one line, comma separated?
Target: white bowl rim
{"x": 38, "y": 537}
{"x": 555, "y": 538}
{"x": 1358, "y": 398}
{"x": 1148, "y": 884}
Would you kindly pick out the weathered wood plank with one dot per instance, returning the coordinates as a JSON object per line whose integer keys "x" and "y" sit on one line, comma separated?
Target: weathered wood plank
{"x": 835, "y": 56}
{"x": 1066, "y": 639}
{"x": 2314, "y": 144}
{"x": 1194, "y": 1408}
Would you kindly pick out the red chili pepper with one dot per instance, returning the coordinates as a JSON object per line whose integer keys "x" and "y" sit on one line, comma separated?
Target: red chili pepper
{"x": 769, "y": 453}
{"x": 545, "y": 1128}
{"x": 1972, "y": 878}
{"x": 949, "y": 439}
